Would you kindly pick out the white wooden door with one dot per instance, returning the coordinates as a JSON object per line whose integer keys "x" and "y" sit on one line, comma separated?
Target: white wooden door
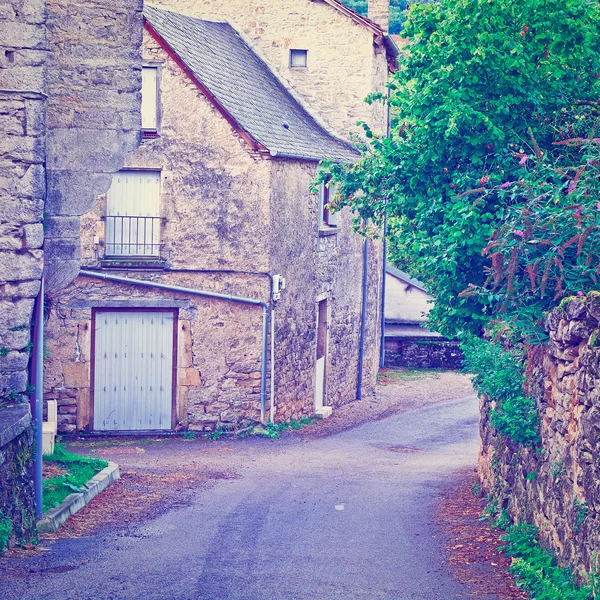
{"x": 319, "y": 383}
{"x": 133, "y": 370}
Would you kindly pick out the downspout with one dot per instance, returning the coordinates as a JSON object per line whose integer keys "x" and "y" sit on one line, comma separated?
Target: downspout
{"x": 38, "y": 397}
{"x": 191, "y": 291}
{"x": 383, "y": 282}
{"x": 384, "y": 261}
{"x": 272, "y": 407}
{"x": 363, "y": 319}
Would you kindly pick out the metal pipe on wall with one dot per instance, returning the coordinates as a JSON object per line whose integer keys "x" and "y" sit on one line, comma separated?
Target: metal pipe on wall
{"x": 194, "y": 292}
{"x": 363, "y": 319}
{"x": 383, "y": 282}
{"x": 272, "y": 407}
{"x": 38, "y": 397}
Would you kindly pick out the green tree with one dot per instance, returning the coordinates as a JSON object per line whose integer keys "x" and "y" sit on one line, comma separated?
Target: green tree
{"x": 482, "y": 95}
{"x": 397, "y": 12}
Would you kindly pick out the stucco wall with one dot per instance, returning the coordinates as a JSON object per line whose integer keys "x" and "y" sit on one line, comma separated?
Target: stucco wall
{"x": 214, "y": 193}
{"x": 404, "y": 302}
{"x": 343, "y": 67}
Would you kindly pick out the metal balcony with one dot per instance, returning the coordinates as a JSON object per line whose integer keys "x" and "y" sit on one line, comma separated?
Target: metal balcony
{"x": 128, "y": 236}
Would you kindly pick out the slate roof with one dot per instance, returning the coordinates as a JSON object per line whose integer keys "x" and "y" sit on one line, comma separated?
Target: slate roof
{"x": 245, "y": 87}
{"x": 405, "y": 277}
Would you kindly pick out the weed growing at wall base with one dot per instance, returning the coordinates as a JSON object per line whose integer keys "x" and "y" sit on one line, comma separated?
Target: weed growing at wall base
{"x": 536, "y": 569}
{"x": 5, "y": 531}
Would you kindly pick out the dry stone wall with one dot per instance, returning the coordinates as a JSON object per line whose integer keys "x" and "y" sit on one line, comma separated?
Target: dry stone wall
{"x": 556, "y": 486}
{"x": 17, "y": 505}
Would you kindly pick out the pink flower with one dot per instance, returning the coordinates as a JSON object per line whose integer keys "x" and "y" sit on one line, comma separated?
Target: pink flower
{"x": 524, "y": 159}
{"x": 571, "y": 188}
{"x": 580, "y": 294}
{"x": 518, "y": 233}
{"x": 506, "y": 184}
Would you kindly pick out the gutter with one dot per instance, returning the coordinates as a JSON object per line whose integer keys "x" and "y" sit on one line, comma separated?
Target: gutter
{"x": 194, "y": 292}
{"x": 276, "y": 154}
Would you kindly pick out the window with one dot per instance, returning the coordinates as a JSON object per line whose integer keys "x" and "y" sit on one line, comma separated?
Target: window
{"x": 299, "y": 58}
{"x": 327, "y": 218}
{"x": 132, "y": 215}
{"x": 149, "y": 99}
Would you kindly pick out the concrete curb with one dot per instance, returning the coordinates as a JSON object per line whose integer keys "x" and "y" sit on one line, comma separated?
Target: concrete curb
{"x": 73, "y": 503}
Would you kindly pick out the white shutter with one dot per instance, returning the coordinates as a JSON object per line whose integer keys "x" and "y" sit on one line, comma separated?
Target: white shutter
{"x": 333, "y": 218}
{"x": 149, "y": 98}
{"x": 321, "y": 203}
{"x": 133, "y": 194}
{"x": 133, "y": 367}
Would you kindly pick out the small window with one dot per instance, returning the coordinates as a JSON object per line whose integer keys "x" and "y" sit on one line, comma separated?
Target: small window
{"x": 327, "y": 218}
{"x": 149, "y": 99}
{"x": 298, "y": 58}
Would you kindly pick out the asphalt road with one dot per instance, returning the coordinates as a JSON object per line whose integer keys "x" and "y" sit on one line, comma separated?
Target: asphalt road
{"x": 348, "y": 516}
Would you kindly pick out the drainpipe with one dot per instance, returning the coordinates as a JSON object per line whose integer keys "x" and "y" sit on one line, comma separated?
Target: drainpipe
{"x": 363, "y": 319}
{"x": 272, "y": 407}
{"x": 383, "y": 282}
{"x": 38, "y": 397}
{"x": 383, "y": 279}
{"x": 191, "y": 291}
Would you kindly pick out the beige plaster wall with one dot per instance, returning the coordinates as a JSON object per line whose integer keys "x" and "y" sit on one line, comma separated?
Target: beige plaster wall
{"x": 343, "y": 66}
{"x": 214, "y": 196}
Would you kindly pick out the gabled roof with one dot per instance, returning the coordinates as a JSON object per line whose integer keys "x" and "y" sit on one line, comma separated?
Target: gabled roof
{"x": 357, "y": 17}
{"x": 388, "y": 41}
{"x": 405, "y": 277}
{"x": 243, "y": 88}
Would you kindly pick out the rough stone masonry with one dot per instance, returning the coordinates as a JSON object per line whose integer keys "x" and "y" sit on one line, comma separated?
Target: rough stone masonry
{"x": 69, "y": 113}
{"x": 556, "y": 486}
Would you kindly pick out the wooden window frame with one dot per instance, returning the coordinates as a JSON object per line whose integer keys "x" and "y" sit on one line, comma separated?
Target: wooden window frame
{"x": 291, "y": 63}
{"x": 175, "y": 312}
{"x": 328, "y": 221}
{"x": 147, "y": 132}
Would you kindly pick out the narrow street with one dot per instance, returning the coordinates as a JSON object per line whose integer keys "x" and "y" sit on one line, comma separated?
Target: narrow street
{"x": 348, "y": 516}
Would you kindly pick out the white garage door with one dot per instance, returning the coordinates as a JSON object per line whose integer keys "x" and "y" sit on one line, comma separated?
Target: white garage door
{"x": 133, "y": 370}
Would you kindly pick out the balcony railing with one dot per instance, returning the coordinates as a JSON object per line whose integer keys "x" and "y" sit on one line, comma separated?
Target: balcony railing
{"x": 132, "y": 236}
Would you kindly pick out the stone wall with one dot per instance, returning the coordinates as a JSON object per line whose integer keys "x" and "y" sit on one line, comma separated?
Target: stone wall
{"x": 17, "y": 497}
{"x": 425, "y": 353}
{"x": 22, "y": 184}
{"x": 93, "y": 79}
{"x": 343, "y": 65}
{"x": 69, "y": 112}
{"x": 218, "y": 346}
{"x": 557, "y": 486}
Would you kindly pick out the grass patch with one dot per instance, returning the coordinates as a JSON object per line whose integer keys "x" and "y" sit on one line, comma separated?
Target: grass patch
{"x": 536, "y": 570}
{"x": 78, "y": 470}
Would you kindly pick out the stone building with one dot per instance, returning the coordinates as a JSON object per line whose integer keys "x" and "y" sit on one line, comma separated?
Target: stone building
{"x": 214, "y": 284}
{"x": 70, "y": 76}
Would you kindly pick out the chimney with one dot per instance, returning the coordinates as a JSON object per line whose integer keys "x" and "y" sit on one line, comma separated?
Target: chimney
{"x": 379, "y": 12}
